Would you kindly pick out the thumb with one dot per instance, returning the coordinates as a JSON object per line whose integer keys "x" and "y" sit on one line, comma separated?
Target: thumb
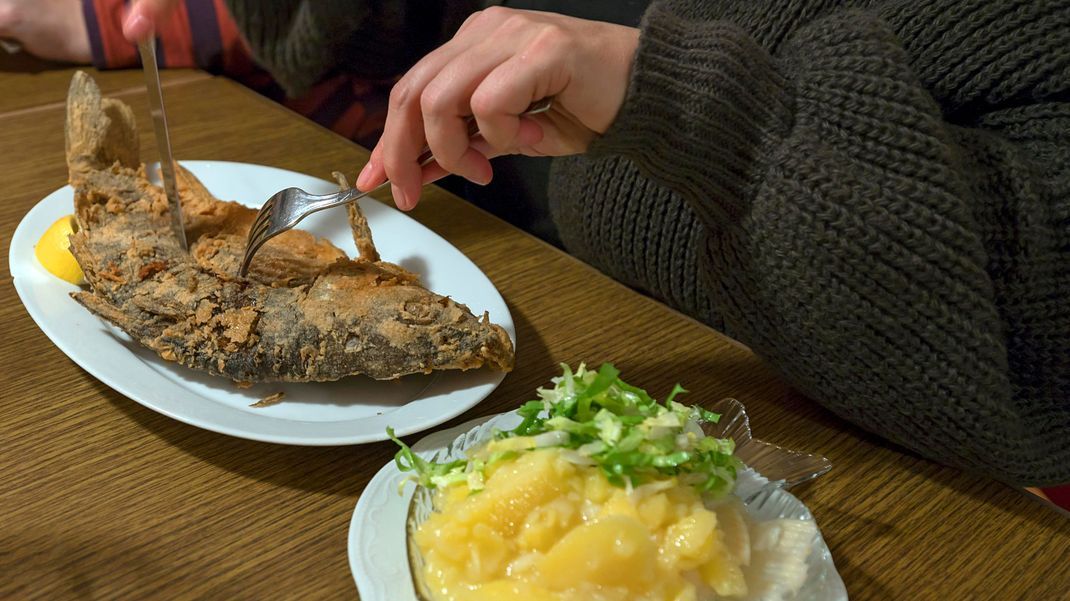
{"x": 144, "y": 16}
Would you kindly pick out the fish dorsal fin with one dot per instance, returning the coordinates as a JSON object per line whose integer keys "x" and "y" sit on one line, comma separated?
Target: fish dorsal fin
{"x": 362, "y": 234}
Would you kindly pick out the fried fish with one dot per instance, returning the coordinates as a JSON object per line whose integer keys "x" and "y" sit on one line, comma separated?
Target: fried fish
{"x": 306, "y": 312}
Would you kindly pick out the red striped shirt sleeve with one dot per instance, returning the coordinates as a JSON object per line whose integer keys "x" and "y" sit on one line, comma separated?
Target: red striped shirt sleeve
{"x": 103, "y": 21}
{"x": 201, "y": 34}
{"x": 198, "y": 34}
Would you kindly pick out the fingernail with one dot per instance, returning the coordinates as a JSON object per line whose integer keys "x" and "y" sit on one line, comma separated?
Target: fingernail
{"x": 483, "y": 174}
{"x": 399, "y": 198}
{"x": 137, "y": 27}
{"x": 363, "y": 182}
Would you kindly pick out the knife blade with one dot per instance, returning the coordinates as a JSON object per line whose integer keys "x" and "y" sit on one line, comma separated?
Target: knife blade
{"x": 147, "y": 49}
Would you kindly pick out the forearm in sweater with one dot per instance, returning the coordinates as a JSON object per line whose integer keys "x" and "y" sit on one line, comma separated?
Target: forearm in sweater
{"x": 301, "y": 41}
{"x": 902, "y": 269}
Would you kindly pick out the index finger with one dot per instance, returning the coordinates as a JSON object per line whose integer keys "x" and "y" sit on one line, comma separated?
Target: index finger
{"x": 143, "y": 17}
{"x": 394, "y": 156}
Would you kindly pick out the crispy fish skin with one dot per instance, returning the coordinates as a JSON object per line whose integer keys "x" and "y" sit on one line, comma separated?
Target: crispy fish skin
{"x": 306, "y": 314}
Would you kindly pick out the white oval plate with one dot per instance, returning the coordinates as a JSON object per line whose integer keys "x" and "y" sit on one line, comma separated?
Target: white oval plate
{"x": 378, "y": 556}
{"x": 350, "y": 411}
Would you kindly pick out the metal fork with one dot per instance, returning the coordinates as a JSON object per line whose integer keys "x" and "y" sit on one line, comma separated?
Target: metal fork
{"x": 286, "y": 208}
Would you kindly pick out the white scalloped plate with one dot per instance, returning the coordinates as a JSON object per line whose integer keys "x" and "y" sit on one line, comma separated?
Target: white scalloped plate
{"x": 350, "y": 411}
{"x": 377, "y": 552}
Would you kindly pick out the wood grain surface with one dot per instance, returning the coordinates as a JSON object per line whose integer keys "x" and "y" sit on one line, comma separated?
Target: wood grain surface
{"x": 101, "y": 498}
{"x": 27, "y": 84}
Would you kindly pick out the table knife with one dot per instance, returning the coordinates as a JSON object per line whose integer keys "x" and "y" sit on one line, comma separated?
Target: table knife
{"x": 163, "y": 139}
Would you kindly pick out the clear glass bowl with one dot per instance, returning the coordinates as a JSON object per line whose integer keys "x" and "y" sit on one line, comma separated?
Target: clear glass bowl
{"x": 770, "y": 470}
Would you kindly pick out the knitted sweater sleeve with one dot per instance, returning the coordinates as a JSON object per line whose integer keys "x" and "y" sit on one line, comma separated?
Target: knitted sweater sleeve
{"x": 301, "y": 41}
{"x": 885, "y": 194}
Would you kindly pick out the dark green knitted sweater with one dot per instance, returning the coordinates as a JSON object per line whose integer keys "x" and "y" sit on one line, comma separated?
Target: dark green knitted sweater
{"x": 302, "y": 41}
{"x": 876, "y": 199}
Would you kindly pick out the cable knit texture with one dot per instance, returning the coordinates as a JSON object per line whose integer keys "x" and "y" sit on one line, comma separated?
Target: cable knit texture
{"x": 883, "y": 197}
{"x": 873, "y": 195}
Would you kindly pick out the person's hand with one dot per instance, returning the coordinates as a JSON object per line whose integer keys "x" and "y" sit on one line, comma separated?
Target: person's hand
{"x": 49, "y": 29}
{"x": 499, "y": 62}
{"x": 144, "y": 16}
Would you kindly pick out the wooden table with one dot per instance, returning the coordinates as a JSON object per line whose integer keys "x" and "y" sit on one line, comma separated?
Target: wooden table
{"x": 103, "y": 498}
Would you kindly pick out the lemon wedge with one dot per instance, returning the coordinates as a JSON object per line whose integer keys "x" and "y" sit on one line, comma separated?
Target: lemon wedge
{"x": 53, "y": 251}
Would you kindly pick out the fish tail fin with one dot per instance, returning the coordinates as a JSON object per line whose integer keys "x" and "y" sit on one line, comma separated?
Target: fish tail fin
{"x": 99, "y": 132}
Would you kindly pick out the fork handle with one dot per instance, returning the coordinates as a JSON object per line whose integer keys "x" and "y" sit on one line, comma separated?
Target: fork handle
{"x": 346, "y": 197}
{"x": 353, "y": 195}
{"x": 425, "y": 159}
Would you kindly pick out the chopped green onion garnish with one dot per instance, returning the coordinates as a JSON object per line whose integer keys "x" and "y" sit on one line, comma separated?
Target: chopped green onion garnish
{"x": 629, "y": 435}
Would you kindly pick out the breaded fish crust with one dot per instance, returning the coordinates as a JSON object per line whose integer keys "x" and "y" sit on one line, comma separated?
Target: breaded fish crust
{"x": 306, "y": 312}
